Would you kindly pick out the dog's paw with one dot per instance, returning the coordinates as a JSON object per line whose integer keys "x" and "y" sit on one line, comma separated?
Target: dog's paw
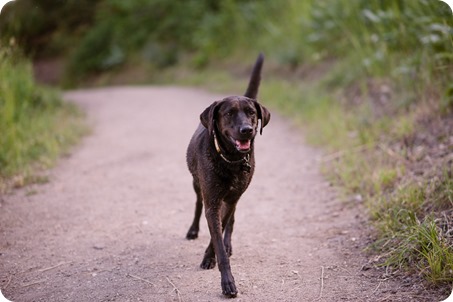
{"x": 192, "y": 234}
{"x": 208, "y": 263}
{"x": 229, "y": 289}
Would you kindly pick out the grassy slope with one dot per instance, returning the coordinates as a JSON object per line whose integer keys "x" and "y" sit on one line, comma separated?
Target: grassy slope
{"x": 37, "y": 126}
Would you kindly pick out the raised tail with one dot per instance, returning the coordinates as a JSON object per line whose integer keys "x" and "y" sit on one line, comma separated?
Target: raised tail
{"x": 255, "y": 78}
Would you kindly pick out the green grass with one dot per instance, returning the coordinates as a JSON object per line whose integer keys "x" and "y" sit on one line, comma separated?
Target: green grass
{"x": 414, "y": 228}
{"x": 37, "y": 126}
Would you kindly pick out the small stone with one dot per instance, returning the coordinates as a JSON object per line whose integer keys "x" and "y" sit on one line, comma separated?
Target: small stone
{"x": 98, "y": 247}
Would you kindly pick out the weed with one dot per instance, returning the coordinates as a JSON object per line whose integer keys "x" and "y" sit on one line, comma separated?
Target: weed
{"x": 406, "y": 220}
{"x": 36, "y": 125}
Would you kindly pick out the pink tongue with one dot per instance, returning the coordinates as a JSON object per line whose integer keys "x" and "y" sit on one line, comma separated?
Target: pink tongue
{"x": 243, "y": 145}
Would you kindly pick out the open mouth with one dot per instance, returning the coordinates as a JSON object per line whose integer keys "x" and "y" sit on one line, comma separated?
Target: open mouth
{"x": 242, "y": 145}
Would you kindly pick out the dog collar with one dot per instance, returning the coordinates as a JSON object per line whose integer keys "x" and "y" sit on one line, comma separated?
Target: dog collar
{"x": 245, "y": 161}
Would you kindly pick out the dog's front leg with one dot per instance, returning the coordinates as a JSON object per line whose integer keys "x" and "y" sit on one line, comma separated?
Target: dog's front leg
{"x": 215, "y": 228}
{"x": 228, "y": 231}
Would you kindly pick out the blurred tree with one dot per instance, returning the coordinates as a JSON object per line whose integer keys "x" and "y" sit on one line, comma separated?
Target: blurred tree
{"x": 45, "y": 27}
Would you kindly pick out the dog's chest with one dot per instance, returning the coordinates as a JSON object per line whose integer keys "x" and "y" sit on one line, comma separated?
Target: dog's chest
{"x": 237, "y": 183}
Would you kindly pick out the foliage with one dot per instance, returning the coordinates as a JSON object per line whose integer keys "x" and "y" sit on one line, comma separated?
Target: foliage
{"x": 36, "y": 125}
{"x": 129, "y": 28}
{"x": 407, "y": 40}
{"x": 411, "y": 235}
{"x": 45, "y": 27}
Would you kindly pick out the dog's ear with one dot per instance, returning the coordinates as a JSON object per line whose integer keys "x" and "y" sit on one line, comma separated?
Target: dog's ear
{"x": 208, "y": 116}
{"x": 263, "y": 114}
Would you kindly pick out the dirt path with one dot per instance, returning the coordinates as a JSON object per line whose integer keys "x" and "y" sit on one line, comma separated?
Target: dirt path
{"x": 110, "y": 223}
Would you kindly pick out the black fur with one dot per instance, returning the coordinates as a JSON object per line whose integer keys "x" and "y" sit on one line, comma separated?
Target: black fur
{"x": 221, "y": 177}
{"x": 255, "y": 78}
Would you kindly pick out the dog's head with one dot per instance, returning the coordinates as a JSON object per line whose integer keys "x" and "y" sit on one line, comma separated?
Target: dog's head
{"x": 236, "y": 119}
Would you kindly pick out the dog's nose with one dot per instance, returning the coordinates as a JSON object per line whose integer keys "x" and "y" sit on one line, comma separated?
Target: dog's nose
{"x": 246, "y": 129}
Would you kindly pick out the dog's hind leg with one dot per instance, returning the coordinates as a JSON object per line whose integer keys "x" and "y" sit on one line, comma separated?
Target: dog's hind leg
{"x": 195, "y": 227}
{"x": 209, "y": 257}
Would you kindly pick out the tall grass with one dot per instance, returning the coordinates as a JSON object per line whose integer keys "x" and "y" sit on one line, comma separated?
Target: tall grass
{"x": 36, "y": 126}
{"x": 414, "y": 235}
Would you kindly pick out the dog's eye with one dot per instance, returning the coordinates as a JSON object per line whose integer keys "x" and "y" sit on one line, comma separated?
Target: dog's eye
{"x": 229, "y": 113}
{"x": 250, "y": 112}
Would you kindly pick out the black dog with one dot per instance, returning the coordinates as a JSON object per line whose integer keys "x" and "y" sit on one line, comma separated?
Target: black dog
{"x": 221, "y": 160}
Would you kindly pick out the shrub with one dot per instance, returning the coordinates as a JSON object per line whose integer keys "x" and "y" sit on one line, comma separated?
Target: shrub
{"x": 35, "y": 124}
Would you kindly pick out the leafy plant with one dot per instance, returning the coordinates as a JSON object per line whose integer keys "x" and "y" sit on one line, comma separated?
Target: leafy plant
{"x": 36, "y": 125}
